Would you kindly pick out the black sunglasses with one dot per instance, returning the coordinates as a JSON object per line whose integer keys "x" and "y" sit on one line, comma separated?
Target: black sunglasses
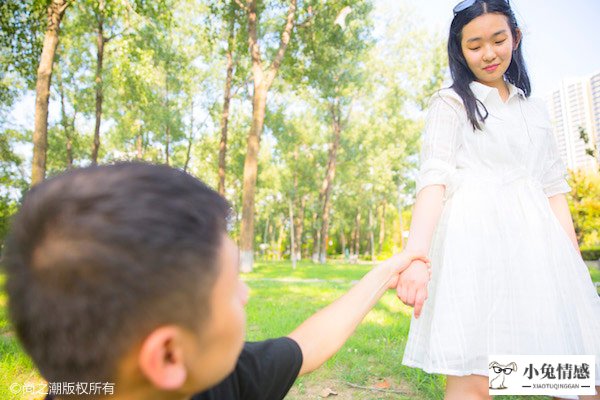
{"x": 463, "y": 5}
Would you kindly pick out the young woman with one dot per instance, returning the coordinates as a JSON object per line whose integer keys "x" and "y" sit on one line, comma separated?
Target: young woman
{"x": 507, "y": 275}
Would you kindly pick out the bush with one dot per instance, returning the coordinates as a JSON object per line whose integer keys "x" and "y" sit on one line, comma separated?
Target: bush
{"x": 591, "y": 253}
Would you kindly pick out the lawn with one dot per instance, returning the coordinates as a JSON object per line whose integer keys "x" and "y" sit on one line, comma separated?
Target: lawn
{"x": 281, "y": 298}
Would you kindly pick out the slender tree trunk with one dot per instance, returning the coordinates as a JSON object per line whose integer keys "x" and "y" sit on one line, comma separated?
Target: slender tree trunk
{"x": 249, "y": 183}
{"x": 400, "y": 219}
{"x": 262, "y": 82}
{"x": 357, "y": 235}
{"x": 316, "y": 233}
{"x": 299, "y": 226}
{"x": 168, "y": 121}
{"x": 139, "y": 145}
{"x": 226, "y": 102}
{"x": 271, "y": 237}
{"x": 65, "y": 122}
{"x": 382, "y": 226}
{"x": 292, "y": 239}
{"x": 280, "y": 237}
{"x": 328, "y": 181}
{"x": 100, "y": 41}
{"x": 190, "y": 139}
{"x": 371, "y": 235}
{"x": 56, "y": 10}
{"x": 343, "y": 241}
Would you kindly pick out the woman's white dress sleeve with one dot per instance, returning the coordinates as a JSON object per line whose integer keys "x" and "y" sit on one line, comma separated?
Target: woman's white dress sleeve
{"x": 441, "y": 139}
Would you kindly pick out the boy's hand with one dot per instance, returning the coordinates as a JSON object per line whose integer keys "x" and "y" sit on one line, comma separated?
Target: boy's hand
{"x": 412, "y": 285}
{"x": 400, "y": 262}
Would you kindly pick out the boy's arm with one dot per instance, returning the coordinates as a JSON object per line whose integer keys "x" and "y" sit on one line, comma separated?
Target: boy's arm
{"x": 324, "y": 333}
{"x": 560, "y": 207}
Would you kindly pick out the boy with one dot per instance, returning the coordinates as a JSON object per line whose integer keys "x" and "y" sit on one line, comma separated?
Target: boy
{"x": 124, "y": 274}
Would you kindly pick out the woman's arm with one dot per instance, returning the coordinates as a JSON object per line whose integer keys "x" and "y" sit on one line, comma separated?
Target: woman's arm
{"x": 412, "y": 284}
{"x": 560, "y": 207}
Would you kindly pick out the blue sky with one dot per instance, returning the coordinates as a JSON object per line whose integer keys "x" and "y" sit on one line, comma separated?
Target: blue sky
{"x": 561, "y": 38}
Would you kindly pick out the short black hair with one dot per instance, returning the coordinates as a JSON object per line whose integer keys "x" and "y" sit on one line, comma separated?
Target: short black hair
{"x": 99, "y": 257}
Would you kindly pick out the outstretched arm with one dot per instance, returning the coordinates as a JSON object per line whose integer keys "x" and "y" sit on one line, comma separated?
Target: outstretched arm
{"x": 324, "y": 333}
{"x": 412, "y": 285}
{"x": 560, "y": 207}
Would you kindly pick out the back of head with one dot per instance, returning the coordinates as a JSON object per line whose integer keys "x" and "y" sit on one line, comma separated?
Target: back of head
{"x": 99, "y": 257}
{"x": 462, "y": 75}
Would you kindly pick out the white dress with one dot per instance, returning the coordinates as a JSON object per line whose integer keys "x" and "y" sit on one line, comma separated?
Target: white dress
{"x": 505, "y": 276}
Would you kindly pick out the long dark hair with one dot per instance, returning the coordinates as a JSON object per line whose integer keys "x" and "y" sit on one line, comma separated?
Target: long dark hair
{"x": 462, "y": 75}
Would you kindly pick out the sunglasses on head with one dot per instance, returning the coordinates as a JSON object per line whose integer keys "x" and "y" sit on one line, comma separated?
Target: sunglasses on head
{"x": 463, "y": 5}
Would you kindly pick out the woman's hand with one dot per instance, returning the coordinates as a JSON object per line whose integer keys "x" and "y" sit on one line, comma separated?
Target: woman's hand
{"x": 400, "y": 262}
{"x": 412, "y": 285}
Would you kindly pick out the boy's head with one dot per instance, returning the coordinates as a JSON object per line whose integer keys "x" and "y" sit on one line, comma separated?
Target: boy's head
{"x": 125, "y": 274}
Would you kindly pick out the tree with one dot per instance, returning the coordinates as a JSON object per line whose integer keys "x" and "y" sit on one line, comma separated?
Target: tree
{"x": 584, "y": 203}
{"x": 264, "y": 74}
{"x": 331, "y": 58}
{"x": 235, "y": 37}
{"x": 56, "y": 10}
{"x": 12, "y": 178}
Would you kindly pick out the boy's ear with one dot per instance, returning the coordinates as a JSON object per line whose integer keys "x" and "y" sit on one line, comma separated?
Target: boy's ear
{"x": 161, "y": 358}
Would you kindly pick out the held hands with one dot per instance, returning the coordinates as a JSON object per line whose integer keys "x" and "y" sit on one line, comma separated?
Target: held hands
{"x": 400, "y": 262}
{"x": 412, "y": 285}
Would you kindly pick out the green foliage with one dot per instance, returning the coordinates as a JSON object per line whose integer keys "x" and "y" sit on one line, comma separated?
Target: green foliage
{"x": 12, "y": 179}
{"x": 584, "y": 203}
{"x": 590, "y": 253}
{"x": 22, "y": 25}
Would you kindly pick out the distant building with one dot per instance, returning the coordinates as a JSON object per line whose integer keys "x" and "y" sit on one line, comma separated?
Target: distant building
{"x": 576, "y": 105}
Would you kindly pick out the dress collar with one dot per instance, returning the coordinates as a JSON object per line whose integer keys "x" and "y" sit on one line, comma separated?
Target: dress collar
{"x": 482, "y": 91}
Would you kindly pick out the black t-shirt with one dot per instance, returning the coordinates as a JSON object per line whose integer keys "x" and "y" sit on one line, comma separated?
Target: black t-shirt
{"x": 264, "y": 371}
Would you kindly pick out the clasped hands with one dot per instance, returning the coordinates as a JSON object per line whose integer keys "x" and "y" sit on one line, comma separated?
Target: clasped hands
{"x": 411, "y": 273}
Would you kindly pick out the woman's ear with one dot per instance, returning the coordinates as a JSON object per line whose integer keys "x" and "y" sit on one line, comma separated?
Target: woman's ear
{"x": 517, "y": 40}
{"x": 161, "y": 358}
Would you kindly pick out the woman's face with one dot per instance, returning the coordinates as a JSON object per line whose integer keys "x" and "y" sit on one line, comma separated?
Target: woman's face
{"x": 487, "y": 44}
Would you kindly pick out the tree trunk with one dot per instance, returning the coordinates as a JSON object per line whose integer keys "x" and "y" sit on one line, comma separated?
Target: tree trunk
{"x": 100, "y": 41}
{"x": 249, "y": 183}
{"x": 292, "y": 239}
{"x": 400, "y": 219}
{"x": 371, "y": 235}
{"x": 139, "y": 145}
{"x": 262, "y": 82}
{"x": 280, "y": 237}
{"x": 343, "y": 242}
{"x": 316, "y": 234}
{"x": 328, "y": 181}
{"x": 56, "y": 10}
{"x": 226, "y": 102}
{"x": 190, "y": 139}
{"x": 382, "y": 226}
{"x": 65, "y": 122}
{"x": 357, "y": 235}
{"x": 168, "y": 121}
{"x": 299, "y": 226}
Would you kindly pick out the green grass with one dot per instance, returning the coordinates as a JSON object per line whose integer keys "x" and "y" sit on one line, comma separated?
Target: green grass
{"x": 16, "y": 366}
{"x": 280, "y": 299}
{"x": 279, "y": 302}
